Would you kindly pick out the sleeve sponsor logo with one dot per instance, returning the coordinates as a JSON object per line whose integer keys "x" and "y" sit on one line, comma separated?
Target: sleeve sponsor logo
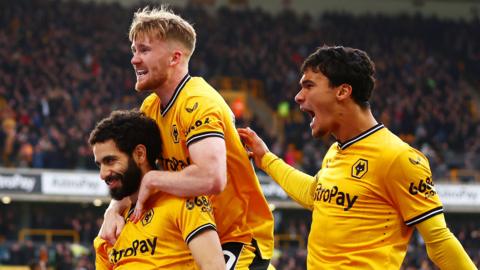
{"x": 199, "y": 201}
{"x": 173, "y": 164}
{"x": 424, "y": 187}
{"x": 197, "y": 124}
{"x": 333, "y": 195}
{"x": 360, "y": 168}
{"x": 136, "y": 248}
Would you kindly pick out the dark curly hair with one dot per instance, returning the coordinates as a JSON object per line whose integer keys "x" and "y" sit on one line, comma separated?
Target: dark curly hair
{"x": 345, "y": 65}
{"x": 129, "y": 128}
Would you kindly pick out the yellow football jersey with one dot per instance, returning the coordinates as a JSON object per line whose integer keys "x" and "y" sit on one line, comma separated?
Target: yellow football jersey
{"x": 369, "y": 192}
{"x": 160, "y": 240}
{"x": 198, "y": 111}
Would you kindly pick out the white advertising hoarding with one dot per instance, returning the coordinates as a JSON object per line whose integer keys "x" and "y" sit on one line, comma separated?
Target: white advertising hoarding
{"x": 87, "y": 184}
{"x": 459, "y": 195}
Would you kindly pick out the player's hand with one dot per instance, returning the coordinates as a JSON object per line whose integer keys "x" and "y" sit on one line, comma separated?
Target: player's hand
{"x": 112, "y": 225}
{"x": 256, "y": 147}
{"x": 147, "y": 188}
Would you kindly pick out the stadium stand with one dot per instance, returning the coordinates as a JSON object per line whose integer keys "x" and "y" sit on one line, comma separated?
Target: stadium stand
{"x": 64, "y": 65}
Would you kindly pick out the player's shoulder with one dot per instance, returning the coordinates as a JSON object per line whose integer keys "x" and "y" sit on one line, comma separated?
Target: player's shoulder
{"x": 166, "y": 200}
{"x": 150, "y": 100}
{"x": 162, "y": 209}
{"x": 200, "y": 96}
{"x": 388, "y": 141}
{"x": 198, "y": 88}
{"x": 395, "y": 148}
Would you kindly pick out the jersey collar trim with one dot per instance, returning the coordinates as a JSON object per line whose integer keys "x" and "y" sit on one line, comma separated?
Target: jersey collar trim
{"x": 361, "y": 136}
{"x": 176, "y": 93}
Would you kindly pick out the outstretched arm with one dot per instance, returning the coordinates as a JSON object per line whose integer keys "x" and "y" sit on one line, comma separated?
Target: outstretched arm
{"x": 206, "y": 175}
{"x": 442, "y": 246}
{"x": 298, "y": 185}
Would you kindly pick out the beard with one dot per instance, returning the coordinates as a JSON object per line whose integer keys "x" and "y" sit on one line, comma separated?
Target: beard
{"x": 154, "y": 80}
{"x": 130, "y": 181}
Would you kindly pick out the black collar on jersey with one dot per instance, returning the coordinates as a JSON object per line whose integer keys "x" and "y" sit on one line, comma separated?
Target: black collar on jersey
{"x": 361, "y": 136}
{"x": 175, "y": 93}
{"x": 130, "y": 212}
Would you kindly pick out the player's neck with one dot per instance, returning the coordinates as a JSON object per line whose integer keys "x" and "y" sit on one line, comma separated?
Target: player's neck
{"x": 166, "y": 91}
{"x": 144, "y": 168}
{"x": 134, "y": 198}
{"x": 354, "y": 123}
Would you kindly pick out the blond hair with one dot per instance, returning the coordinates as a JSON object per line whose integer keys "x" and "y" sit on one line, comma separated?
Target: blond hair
{"x": 162, "y": 23}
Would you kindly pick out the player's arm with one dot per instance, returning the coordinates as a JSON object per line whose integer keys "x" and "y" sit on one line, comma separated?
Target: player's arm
{"x": 443, "y": 248}
{"x": 298, "y": 185}
{"x": 207, "y": 174}
{"x": 207, "y": 251}
{"x": 101, "y": 255}
{"x": 113, "y": 220}
{"x": 194, "y": 218}
{"x": 410, "y": 188}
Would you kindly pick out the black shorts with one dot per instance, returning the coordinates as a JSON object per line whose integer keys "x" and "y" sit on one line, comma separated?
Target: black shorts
{"x": 241, "y": 256}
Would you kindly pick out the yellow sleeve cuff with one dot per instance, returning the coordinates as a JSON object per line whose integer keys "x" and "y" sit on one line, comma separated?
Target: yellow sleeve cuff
{"x": 267, "y": 159}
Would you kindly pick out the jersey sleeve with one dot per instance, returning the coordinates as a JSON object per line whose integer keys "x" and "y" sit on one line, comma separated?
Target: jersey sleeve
{"x": 195, "y": 216}
{"x": 298, "y": 185}
{"x": 201, "y": 118}
{"x": 443, "y": 247}
{"x": 101, "y": 254}
{"x": 410, "y": 187}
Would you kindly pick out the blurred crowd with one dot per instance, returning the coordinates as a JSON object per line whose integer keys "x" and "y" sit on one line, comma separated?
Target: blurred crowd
{"x": 64, "y": 66}
{"x": 40, "y": 256}
{"x": 62, "y": 251}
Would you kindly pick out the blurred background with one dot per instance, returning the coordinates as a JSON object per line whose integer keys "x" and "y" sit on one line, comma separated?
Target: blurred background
{"x": 66, "y": 64}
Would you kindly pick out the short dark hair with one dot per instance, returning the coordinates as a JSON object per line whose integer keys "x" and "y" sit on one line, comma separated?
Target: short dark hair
{"x": 129, "y": 128}
{"x": 345, "y": 65}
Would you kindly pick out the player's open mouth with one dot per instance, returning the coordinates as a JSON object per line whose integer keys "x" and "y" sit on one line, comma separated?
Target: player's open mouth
{"x": 109, "y": 181}
{"x": 140, "y": 73}
{"x": 311, "y": 113}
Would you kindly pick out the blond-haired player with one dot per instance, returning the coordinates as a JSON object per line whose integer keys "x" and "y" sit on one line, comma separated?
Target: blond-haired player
{"x": 201, "y": 151}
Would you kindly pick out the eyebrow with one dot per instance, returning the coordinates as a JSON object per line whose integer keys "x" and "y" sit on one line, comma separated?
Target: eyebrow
{"x": 140, "y": 45}
{"x": 104, "y": 159}
{"x": 307, "y": 81}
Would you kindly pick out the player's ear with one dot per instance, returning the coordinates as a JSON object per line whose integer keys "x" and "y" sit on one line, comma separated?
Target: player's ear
{"x": 140, "y": 154}
{"x": 344, "y": 91}
{"x": 176, "y": 57}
